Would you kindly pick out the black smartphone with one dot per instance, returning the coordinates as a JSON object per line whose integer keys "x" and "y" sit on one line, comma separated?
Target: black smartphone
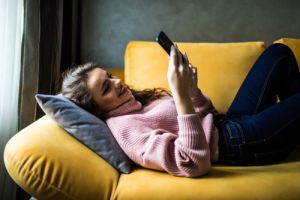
{"x": 165, "y": 42}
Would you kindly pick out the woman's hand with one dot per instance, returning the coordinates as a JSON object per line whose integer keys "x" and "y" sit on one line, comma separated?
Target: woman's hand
{"x": 179, "y": 73}
{"x": 194, "y": 91}
{"x": 180, "y": 78}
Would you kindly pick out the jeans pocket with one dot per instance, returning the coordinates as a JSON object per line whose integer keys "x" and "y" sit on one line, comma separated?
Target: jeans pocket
{"x": 234, "y": 133}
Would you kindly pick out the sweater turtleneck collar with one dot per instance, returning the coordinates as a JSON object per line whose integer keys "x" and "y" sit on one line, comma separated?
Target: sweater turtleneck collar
{"x": 128, "y": 107}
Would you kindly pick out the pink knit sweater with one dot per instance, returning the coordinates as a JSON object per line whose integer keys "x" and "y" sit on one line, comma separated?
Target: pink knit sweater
{"x": 155, "y": 137}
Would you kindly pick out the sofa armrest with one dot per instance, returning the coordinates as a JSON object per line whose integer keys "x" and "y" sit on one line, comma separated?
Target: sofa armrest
{"x": 48, "y": 163}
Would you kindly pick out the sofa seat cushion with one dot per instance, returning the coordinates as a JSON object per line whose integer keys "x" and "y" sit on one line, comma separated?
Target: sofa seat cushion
{"x": 221, "y": 67}
{"x": 277, "y": 181}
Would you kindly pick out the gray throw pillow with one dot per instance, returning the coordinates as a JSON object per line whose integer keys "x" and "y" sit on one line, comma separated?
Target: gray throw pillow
{"x": 86, "y": 127}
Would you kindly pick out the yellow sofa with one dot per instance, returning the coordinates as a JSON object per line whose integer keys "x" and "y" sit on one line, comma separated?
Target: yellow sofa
{"x": 48, "y": 163}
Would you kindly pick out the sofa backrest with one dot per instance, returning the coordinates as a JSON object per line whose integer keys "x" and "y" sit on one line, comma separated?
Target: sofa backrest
{"x": 221, "y": 66}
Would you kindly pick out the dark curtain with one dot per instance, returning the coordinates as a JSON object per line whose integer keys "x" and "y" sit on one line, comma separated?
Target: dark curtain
{"x": 51, "y": 43}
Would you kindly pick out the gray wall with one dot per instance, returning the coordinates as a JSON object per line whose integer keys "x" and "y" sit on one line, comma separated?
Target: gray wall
{"x": 108, "y": 25}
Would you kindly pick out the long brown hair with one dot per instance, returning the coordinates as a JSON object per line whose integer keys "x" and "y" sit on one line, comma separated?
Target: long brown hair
{"x": 73, "y": 85}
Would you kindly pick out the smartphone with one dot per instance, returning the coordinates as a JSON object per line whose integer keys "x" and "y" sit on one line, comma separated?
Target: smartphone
{"x": 165, "y": 42}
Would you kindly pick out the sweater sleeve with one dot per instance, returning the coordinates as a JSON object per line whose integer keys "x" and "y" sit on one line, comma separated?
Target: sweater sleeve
{"x": 186, "y": 154}
{"x": 202, "y": 104}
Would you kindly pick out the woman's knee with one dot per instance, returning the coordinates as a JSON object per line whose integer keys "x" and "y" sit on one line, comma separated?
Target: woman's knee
{"x": 280, "y": 49}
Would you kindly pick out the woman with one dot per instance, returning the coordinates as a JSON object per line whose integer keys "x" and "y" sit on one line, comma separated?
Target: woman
{"x": 182, "y": 133}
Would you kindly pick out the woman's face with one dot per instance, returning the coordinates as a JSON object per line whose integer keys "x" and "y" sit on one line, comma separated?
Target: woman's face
{"x": 107, "y": 90}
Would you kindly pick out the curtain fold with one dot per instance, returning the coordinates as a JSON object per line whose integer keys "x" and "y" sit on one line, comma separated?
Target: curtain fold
{"x": 30, "y": 62}
{"x": 41, "y": 52}
{"x": 11, "y": 30}
{"x": 49, "y": 46}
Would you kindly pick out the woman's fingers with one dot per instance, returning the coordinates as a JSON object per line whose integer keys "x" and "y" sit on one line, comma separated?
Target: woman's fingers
{"x": 194, "y": 69}
{"x": 186, "y": 58}
{"x": 173, "y": 56}
{"x": 179, "y": 58}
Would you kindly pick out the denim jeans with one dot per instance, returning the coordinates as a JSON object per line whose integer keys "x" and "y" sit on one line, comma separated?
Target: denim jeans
{"x": 257, "y": 130}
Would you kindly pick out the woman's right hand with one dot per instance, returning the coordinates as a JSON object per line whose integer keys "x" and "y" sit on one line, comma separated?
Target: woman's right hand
{"x": 179, "y": 73}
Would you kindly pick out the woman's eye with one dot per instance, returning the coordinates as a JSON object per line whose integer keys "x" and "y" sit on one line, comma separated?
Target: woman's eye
{"x": 106, "y": 88}
{"x": 107, "y": 85}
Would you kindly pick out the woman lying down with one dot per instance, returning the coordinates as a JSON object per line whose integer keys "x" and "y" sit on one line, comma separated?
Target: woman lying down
{"x": 180, "y": 131}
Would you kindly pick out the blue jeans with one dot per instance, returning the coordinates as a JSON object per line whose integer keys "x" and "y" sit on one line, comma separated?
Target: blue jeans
{"x": 257, "y": 130}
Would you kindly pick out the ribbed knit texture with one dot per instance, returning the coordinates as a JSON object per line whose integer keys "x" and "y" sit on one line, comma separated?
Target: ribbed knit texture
{"x": 155, "y": 137}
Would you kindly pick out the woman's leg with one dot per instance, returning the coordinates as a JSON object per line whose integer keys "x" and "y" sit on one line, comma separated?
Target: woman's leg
{"x": 271, "y": 134}
{"x": 259, "y": 130}
{"x": 274, "y": 73}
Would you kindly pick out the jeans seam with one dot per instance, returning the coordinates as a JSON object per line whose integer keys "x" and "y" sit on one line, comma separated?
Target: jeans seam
{"x": 265, "y": 84}
{"x": 241, "y": 132}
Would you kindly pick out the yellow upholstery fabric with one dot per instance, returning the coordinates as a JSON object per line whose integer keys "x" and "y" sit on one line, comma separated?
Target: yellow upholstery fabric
{"x": 278, "y": 181}
{"x": 50, "y": 164}
{"x": 294, "y": 44}
{"x": 221, "y": 66}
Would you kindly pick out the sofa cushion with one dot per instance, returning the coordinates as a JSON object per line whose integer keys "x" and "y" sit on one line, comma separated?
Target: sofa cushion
{"x": 221, "y": 66}
{"x": 294, "y": 44}
{"x": 87, "y": 128}
{"x": 277, "y": 181}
